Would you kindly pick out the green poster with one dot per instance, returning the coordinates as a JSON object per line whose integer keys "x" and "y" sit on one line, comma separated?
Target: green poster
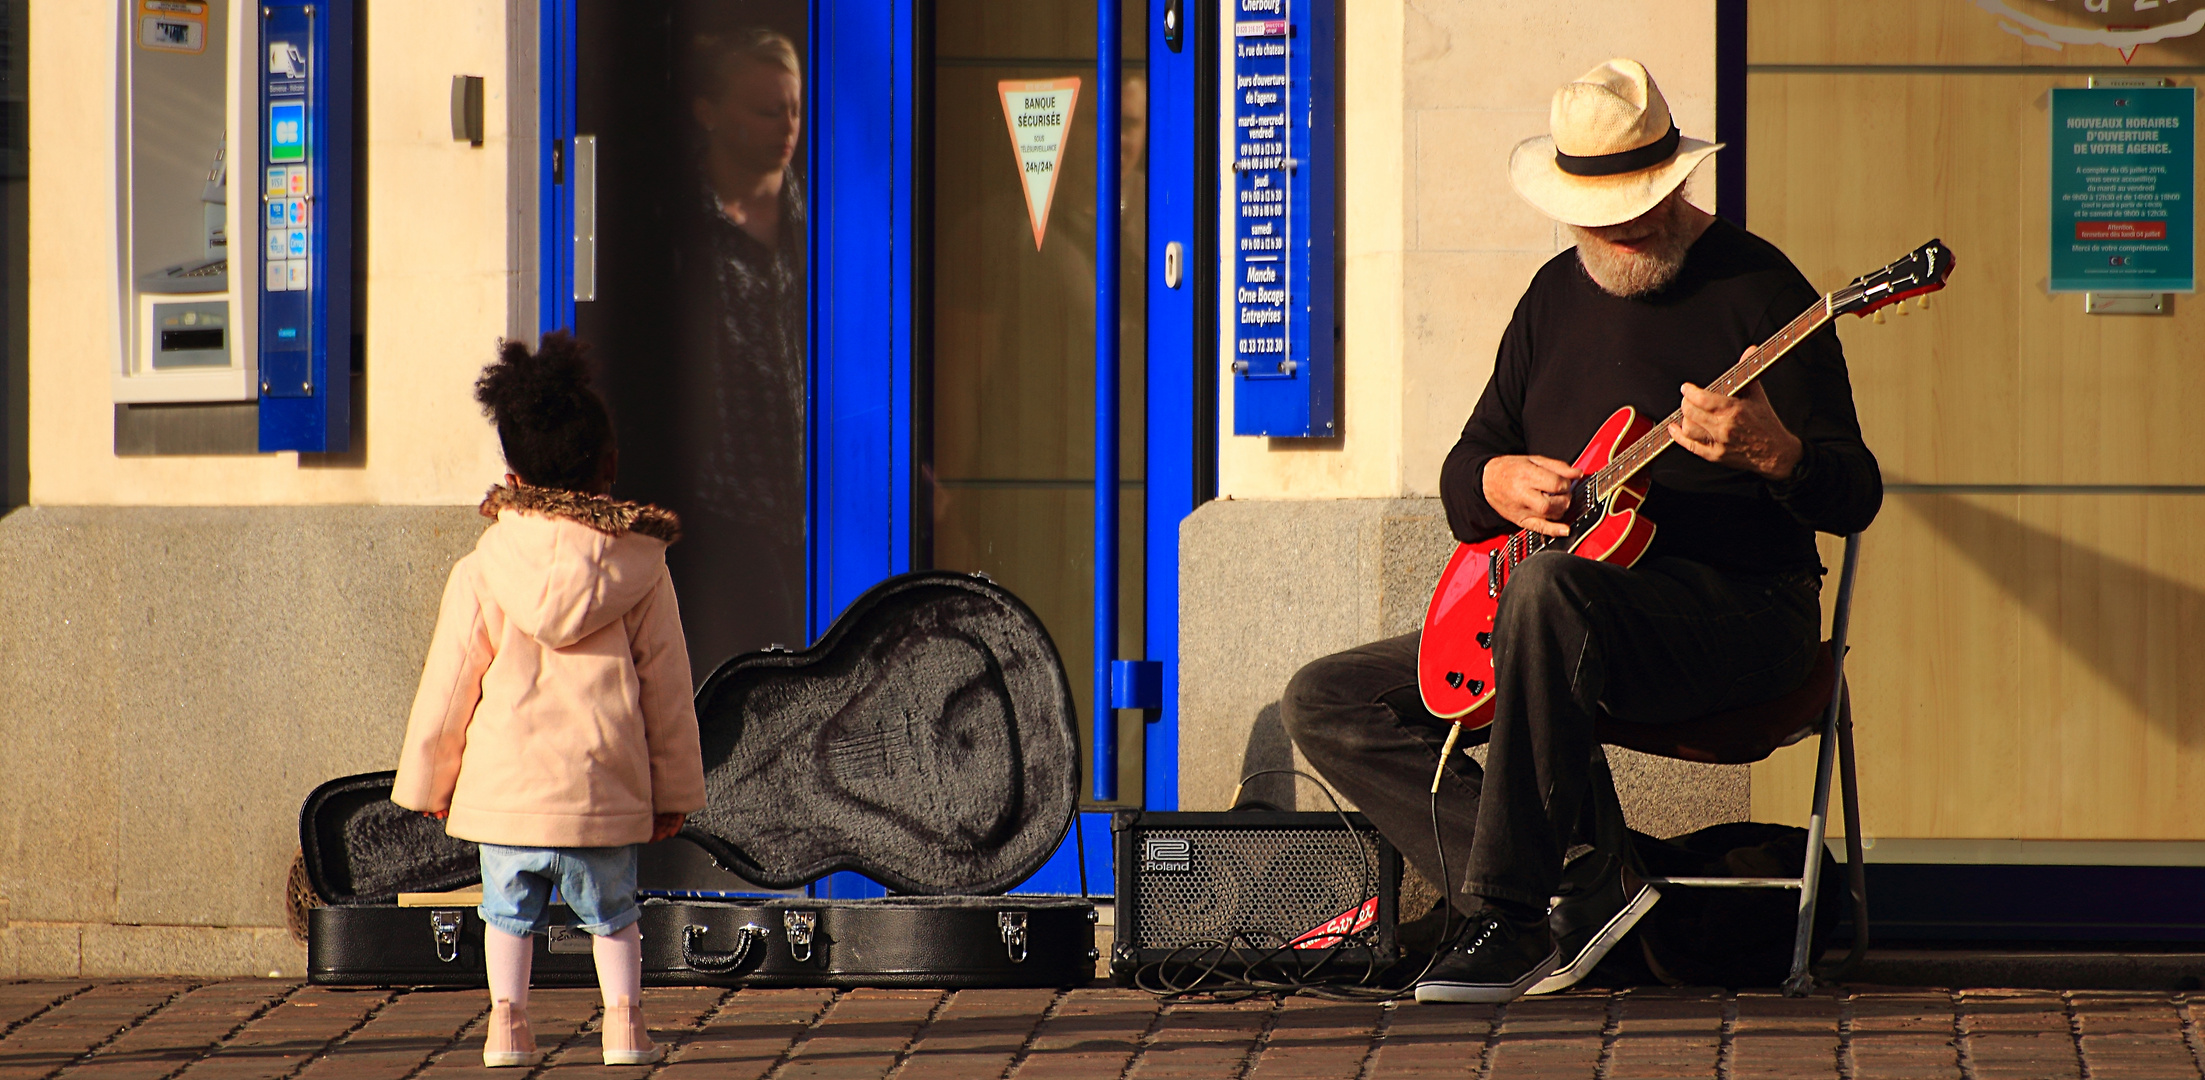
{"x": 2124, "y": 181}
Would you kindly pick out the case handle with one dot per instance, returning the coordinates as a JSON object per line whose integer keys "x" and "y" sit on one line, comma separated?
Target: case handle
{"x": 747, "y": 936}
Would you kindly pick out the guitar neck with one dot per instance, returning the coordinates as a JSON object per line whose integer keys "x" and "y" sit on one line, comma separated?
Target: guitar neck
{"x": 1636, "y": 456}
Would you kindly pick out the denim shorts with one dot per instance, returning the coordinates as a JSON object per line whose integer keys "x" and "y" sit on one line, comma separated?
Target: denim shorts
{"x": 597, "y": 882}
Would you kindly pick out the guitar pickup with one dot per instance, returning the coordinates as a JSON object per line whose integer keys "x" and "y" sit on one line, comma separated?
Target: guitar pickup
{"x": 1493, "y": 573}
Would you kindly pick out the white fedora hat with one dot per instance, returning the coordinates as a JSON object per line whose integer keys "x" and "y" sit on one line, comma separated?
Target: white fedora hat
{"x": 1614, "y": 152}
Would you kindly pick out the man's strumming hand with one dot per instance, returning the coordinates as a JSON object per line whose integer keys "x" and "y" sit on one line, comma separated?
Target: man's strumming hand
{"x": 1742, "y": 432}
{"x": 1532, "y": 491}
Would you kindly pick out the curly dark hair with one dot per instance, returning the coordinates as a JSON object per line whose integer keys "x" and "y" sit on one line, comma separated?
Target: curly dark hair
{"x": 554, "y": 428}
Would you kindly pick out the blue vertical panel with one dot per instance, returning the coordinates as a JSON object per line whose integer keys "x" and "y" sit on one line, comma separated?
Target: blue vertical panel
{"x": 1177, "y": 356}
{"x": 861, "y": 147}
{"x": 1279, "y": 89}
{"x": 860, "y": 296}
{"x": 300, "y": 257}
{"x": 555, "y": 270}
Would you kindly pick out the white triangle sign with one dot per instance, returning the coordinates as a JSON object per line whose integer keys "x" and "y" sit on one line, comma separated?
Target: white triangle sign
{"x": 1038, "y": 112}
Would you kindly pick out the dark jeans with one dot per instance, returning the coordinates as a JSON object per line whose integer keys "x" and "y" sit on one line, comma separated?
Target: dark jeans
{"x": 1663, "y": 641}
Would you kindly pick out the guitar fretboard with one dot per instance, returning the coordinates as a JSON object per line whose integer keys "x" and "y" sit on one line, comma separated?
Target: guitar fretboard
{"x": 1636, "y": 456}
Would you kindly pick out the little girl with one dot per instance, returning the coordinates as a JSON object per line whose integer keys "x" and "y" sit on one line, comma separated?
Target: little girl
{"x": 554, "y": 725}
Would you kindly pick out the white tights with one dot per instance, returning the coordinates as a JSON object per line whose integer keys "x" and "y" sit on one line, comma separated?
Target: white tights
{"x": 619, "y": 959}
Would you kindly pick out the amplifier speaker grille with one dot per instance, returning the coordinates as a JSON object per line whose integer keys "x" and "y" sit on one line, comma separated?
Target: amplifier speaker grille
{"x": 1271, "y": 885}
{"x": 1250, "y": 883}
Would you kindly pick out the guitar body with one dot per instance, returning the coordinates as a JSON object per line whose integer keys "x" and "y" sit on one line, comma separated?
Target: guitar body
{"x": 1454, "y": 661}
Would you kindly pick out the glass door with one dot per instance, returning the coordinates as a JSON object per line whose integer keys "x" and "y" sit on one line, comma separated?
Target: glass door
{"x": 685, "y": 174}
{"x": 1007, "y": 468}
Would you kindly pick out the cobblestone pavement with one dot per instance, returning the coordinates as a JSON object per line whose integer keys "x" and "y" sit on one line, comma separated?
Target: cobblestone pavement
{"x": 153, "y": 1029}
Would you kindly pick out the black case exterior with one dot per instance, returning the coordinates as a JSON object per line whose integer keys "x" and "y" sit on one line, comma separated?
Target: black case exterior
{"x": 932, "y": 942}
{"x": 927, "y": 741}
{"x": 1231, "y": 890}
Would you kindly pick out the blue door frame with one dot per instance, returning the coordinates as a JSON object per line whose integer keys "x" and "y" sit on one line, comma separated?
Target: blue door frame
{"x": 861, "y": 127}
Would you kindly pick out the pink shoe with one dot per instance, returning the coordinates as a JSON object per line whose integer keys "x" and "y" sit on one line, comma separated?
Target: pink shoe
{"x": 509, "y": 1042}
{"x": 627, "y": 1038}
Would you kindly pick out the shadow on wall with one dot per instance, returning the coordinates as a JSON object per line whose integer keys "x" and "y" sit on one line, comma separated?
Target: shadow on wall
{"x": 2079, "y": 595}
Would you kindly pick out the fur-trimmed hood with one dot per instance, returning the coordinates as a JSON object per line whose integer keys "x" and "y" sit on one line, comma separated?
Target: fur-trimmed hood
{"x": 563, "y": 565}
{"x": 600, "y": 512}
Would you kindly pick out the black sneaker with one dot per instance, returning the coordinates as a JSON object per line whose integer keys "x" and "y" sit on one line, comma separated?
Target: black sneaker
{"x": 1588, "y": 921}
{"x": 1495, "y": 960}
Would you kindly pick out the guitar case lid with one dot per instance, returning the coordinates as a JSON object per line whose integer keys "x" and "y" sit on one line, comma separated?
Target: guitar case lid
{"x": 926, "y": 741}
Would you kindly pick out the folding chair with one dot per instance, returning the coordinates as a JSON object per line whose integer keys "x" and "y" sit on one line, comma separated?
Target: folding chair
{"x": 1743, "y": 736}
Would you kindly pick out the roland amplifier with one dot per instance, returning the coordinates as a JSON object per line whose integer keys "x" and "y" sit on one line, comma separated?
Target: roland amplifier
{"x": 1260, "y": 894}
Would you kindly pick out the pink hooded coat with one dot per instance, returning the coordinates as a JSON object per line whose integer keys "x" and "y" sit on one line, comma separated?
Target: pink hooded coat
{"x": 554, "y": 708}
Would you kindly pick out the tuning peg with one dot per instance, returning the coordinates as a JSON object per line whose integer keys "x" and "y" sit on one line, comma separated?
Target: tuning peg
{"x": 1879, "y": 316}
{"x": 1922, "y": 302}
{"x": 1900, "y": 307}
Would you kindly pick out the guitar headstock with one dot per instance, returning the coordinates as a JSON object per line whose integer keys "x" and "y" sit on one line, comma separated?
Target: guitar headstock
{"x": 1923, "y": 270}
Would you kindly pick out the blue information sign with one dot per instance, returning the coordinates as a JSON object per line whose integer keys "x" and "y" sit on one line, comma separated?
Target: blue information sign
{"x": 2124, "y": 185}
{"x": 1279, "y": 200}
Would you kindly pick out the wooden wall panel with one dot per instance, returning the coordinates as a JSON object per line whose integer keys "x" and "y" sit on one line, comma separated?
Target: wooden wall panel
{"x": 1928, "y": 32}
{"x": 2024, "y": 666}
{"x": 2000, "y": 381}
{"x": 2028, "y": 663}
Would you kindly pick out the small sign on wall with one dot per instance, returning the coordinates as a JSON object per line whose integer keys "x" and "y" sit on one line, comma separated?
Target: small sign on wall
{"x": 2124, "y": 188}
{"x": 1039, "y": 112}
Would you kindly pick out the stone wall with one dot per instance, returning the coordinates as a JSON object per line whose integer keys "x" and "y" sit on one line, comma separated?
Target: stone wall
{"x": 173, "y": 681}
{"x": 1267, "y": 586}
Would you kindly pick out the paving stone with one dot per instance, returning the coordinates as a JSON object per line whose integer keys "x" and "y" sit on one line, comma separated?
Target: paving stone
{"x": 2020, "y": 1034}
{"x": 398, "y": 1039}
{"x": 65, "y": 1032}
{"x": 1317, "y": 1040}
{"x": 286, "y": 1037}
{"x": 1203, "y": 1041}
{"x": 1780, "y": 1038}
{"x": 746, "y": 1035}
{"x": 20, "y": 1001}
{"x": 673, "y": 1013}
{"x": 2132, "y": 1036}
{"x": 1433, "y": 1040}
{"x": 189, "y": 1028}
{"x": 557, "y": 1018}
{"x": 1092, "y": 1036}
{"x": 862, "y": 1035}
{"x": 1667, "y": 1033}
{"x": 979, "y": 1034}
{"x": 1551, "y": 1036}
{"x": 1904, "y": 1035}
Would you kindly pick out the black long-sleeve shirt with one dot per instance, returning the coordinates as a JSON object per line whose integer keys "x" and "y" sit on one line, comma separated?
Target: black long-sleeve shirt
{"x": 1573, "y": 354}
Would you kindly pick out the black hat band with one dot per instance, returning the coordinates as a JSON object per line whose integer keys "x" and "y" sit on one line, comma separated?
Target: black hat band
{"x": 1653, "y": 153}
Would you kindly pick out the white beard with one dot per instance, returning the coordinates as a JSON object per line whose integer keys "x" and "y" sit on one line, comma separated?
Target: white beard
{"x": 1622, "y": 273}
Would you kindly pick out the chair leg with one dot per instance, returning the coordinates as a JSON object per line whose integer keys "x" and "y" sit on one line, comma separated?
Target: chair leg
{"x": 1856, "y": 863}
{"x": 1810, "y": 872}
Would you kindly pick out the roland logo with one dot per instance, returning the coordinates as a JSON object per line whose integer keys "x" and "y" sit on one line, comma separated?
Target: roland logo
{"x": 1166, "y": 854}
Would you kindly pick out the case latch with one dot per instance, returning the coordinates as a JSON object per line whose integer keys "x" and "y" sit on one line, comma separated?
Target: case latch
{"x": 1012, "y": 925}
{"x": 798, "y": 926}
{"x": 444, "y": 926}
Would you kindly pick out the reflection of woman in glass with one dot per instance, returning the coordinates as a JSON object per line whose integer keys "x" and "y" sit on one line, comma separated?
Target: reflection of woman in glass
{"x": 742, "y": 410}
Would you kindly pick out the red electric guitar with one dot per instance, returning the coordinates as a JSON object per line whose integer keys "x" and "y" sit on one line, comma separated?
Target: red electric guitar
{"x": 1454, "y": 663}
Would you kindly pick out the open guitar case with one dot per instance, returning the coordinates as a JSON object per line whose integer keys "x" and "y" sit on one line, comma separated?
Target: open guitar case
{"x": 926, "y": 741}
